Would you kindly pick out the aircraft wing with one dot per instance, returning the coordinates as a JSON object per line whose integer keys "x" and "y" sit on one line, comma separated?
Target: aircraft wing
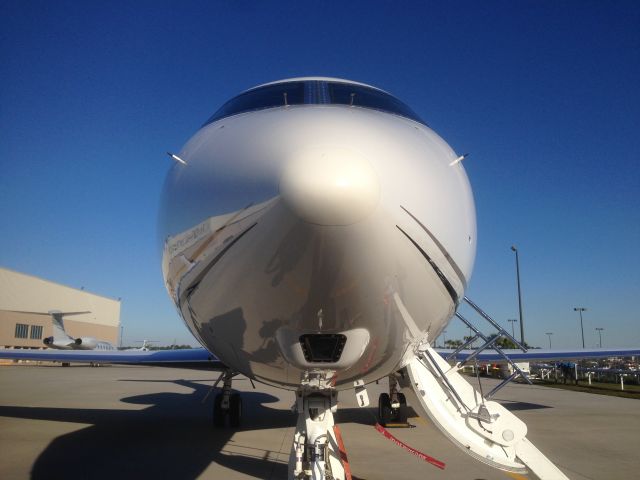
{"x": 194, "y": 358}
{"x": 201, "y": 359}
{"x": 544, "y": 355}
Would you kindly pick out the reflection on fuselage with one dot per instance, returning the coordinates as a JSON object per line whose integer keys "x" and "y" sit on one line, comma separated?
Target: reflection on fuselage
{"x": 312, "y": 219}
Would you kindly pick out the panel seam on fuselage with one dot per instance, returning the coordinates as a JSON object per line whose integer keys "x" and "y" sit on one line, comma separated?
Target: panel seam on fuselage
{"x": 447, "y": 285}
{"x": 215, "y": 260}
{"x": 444, "y": 251}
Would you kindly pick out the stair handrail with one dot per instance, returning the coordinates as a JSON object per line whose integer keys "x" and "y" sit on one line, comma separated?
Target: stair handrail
{"x": 497, "y": 326}
{"x": 488, "y": 343}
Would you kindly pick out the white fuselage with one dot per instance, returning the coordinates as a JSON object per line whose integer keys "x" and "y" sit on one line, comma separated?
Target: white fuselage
{"x": 340, "y": 222}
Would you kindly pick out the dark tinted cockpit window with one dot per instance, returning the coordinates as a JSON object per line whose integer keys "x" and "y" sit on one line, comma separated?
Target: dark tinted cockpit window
{"x": 359, "y": 96}
{"x": 278, "y": 95}
{"x": 313, "y": 92}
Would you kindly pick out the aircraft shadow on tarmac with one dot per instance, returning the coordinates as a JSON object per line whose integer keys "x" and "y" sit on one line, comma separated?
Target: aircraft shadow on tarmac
{"x": 172, "y": 438}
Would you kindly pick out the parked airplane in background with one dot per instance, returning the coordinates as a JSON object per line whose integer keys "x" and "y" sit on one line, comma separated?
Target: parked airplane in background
{"x": 61, "y": 340}
{"x": 145, "y": 346}
{"x": 318, "y": 236}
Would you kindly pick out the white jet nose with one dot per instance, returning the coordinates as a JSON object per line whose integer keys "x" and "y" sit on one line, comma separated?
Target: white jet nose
{"x": 330, "y": 186}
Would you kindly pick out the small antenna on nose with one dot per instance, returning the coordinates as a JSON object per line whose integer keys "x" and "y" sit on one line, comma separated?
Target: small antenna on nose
{"x": 459, "y": 159}
{"x": 353, "y": 95}
{"x": 286, "y": 103}
{"x": 176, "y": 158}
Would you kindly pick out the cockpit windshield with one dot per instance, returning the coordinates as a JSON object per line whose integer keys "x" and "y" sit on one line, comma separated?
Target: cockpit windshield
{"x": 313, "y": 92}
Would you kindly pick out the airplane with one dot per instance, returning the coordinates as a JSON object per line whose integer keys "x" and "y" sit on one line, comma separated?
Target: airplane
{"x": 145, "y": 347}
{"x": 61, "y": 340}
{"x": 318, "y": 236}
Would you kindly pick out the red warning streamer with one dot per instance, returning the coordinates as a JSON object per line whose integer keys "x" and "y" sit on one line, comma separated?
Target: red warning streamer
{"x": 343, "y": 453}
{"x": 415, "y": 452}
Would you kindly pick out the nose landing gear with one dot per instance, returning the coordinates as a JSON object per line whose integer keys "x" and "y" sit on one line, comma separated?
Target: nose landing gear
{"x": 317, "y": 452}
{"x": 227, "y": 404}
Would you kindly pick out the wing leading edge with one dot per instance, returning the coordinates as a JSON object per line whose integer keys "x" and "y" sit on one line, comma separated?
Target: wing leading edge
{"x": 193, "y": 358}
{"x": 201, "y": 359}
{"x": 544, "y": 355}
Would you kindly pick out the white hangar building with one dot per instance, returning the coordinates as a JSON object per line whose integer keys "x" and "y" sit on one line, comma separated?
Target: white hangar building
{"x": 26, "y": 293}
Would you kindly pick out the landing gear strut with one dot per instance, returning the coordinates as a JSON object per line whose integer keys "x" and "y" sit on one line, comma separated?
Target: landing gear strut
{"x": 316, "y": 453}
{"x": 227, "y": 404}
{"x": 392, "y": 406}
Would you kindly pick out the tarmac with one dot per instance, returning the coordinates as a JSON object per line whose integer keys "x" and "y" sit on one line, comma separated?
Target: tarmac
{"x": 146, "y": 422}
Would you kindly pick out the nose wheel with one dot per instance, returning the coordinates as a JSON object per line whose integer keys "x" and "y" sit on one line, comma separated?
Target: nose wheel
{"x": 227, "y": 404}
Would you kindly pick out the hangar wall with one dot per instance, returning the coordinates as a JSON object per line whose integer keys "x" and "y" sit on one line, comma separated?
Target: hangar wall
{"x": 26, "y": 293}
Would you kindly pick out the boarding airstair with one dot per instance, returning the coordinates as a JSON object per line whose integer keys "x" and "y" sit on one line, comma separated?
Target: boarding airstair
{"x": 481, "y": 427}
{"x": 489, "y": 342}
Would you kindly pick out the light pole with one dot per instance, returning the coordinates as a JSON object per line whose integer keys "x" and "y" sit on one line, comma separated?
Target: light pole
{"x": 549, "y": 334}
{"x": 600, "y": 329}
{"x": 513, "y": 247}
{"x": 444, "y": 337}
{"x": 580, "y": 310}
{"x": 512, "y": 321}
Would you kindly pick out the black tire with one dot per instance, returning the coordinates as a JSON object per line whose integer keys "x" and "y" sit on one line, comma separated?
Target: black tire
{"x": 218, "y": 413}
{"x": 384, "y": 409}
{"x": 402, "y": 411}
{"x": 235, "y": 410}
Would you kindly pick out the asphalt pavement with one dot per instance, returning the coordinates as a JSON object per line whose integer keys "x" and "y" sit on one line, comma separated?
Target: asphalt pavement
{"x": 145, "y": 422}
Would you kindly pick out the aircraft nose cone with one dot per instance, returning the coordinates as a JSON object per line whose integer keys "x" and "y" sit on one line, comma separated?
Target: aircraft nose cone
{"x": 330, "y": 186}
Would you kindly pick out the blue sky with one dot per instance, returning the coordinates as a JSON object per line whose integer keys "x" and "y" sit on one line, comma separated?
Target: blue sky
{"x": 543, "y": 95}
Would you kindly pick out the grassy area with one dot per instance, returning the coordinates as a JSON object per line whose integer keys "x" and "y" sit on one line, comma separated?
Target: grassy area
{"x": 611, "y": 389}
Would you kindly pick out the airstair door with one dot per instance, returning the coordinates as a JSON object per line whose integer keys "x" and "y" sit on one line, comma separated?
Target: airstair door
{"x": 484, "y": 429}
